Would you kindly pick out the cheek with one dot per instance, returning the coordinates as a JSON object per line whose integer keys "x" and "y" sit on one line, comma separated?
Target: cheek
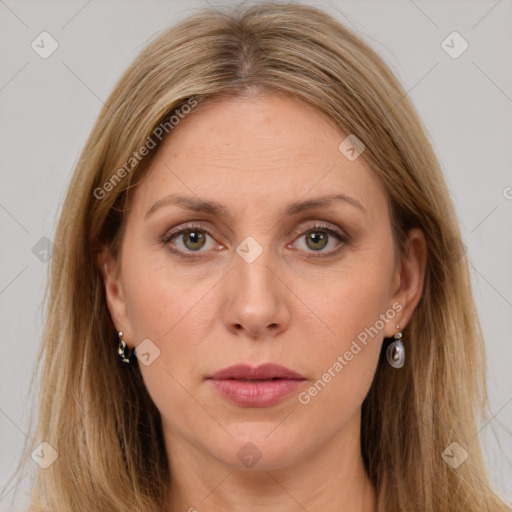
{"x": 173, "y": 306}
{"x": 168, "y": 305}
{"x": 346, "y": 363}
{"x": 160, "y": 295}
{"x": 351, "y": 299}
{"x": 355, "y": 306}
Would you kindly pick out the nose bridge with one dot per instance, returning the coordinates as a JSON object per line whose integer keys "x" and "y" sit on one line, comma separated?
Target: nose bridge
{"x": 255, "y": 300}
{"x": 253, "y": 277}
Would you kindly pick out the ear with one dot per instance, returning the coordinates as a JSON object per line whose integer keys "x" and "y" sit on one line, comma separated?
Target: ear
{"x": 408, "y": 279}
{"x": 114, "y": 294}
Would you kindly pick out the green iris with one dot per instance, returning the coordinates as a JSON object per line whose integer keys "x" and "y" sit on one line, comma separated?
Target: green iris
{"x": 318, "y": 238}
{"x": 195, "y": 238}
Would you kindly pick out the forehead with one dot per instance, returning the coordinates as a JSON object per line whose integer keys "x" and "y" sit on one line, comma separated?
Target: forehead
{"x": 252, "y": 151}
{"x": 261, "y": 126}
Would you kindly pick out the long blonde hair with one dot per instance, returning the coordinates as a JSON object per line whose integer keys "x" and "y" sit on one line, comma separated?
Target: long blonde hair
{"x": 98, "y": 415}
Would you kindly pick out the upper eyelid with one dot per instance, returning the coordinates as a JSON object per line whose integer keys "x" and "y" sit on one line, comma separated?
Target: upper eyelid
{"x": 169, "y": 234}
{"x": 315, "y": 225}
{"x": 320, "y": 225}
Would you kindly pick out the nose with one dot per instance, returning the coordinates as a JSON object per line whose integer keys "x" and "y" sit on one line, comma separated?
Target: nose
{"x": 256, "y": 299}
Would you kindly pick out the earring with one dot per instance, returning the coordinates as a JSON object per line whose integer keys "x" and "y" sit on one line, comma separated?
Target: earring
{"x": 123, "y": 352}
{"x": 395, "y": 353}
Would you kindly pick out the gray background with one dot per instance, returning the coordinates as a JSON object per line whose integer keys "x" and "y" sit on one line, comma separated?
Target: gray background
{"x": 49, "y": 106}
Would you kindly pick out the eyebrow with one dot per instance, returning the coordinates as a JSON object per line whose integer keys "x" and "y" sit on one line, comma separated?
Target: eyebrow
{"x": 220, "y": 210}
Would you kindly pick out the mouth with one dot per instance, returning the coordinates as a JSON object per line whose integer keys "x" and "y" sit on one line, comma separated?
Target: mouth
{"x": 263, "y": 386}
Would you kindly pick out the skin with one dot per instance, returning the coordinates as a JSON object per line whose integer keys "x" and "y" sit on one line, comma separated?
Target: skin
{"x": 255, "y": 155}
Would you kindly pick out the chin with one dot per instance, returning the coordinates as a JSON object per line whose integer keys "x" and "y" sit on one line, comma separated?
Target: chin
{"x": 257, "y": 450}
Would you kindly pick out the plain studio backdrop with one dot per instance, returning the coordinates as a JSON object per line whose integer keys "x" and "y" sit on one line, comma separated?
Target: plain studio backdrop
{"x": 453, "y": 59}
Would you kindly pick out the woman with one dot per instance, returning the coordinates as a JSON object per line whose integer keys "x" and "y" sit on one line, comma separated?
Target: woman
{"x": 261, "y": 303}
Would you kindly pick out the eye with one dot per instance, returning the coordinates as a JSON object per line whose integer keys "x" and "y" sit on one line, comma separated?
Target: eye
{"x": 193, "y": 238}
{"x": 316, "y": 238}
{"x": 190, "y": 238}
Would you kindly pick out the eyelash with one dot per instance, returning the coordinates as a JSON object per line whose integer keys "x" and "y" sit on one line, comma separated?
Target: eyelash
{"x": 169, "y": 235}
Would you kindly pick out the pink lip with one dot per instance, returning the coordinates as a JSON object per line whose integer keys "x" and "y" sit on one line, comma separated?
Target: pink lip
{"x": 262, "y": 386}
{"x": 262, "y": 372}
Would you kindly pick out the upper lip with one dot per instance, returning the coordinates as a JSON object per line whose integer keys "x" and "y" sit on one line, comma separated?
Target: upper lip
{"x": 262, "y": 372}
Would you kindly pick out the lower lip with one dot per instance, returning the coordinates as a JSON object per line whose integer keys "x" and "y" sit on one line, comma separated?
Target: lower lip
{"x": 262, "y": 393}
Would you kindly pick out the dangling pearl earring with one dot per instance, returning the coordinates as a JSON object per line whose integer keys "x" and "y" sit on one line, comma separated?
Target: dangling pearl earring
{"x": 395, "y": 353}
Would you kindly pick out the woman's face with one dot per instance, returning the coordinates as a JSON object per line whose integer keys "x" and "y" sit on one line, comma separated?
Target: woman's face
{"x": 268, "y": 272}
